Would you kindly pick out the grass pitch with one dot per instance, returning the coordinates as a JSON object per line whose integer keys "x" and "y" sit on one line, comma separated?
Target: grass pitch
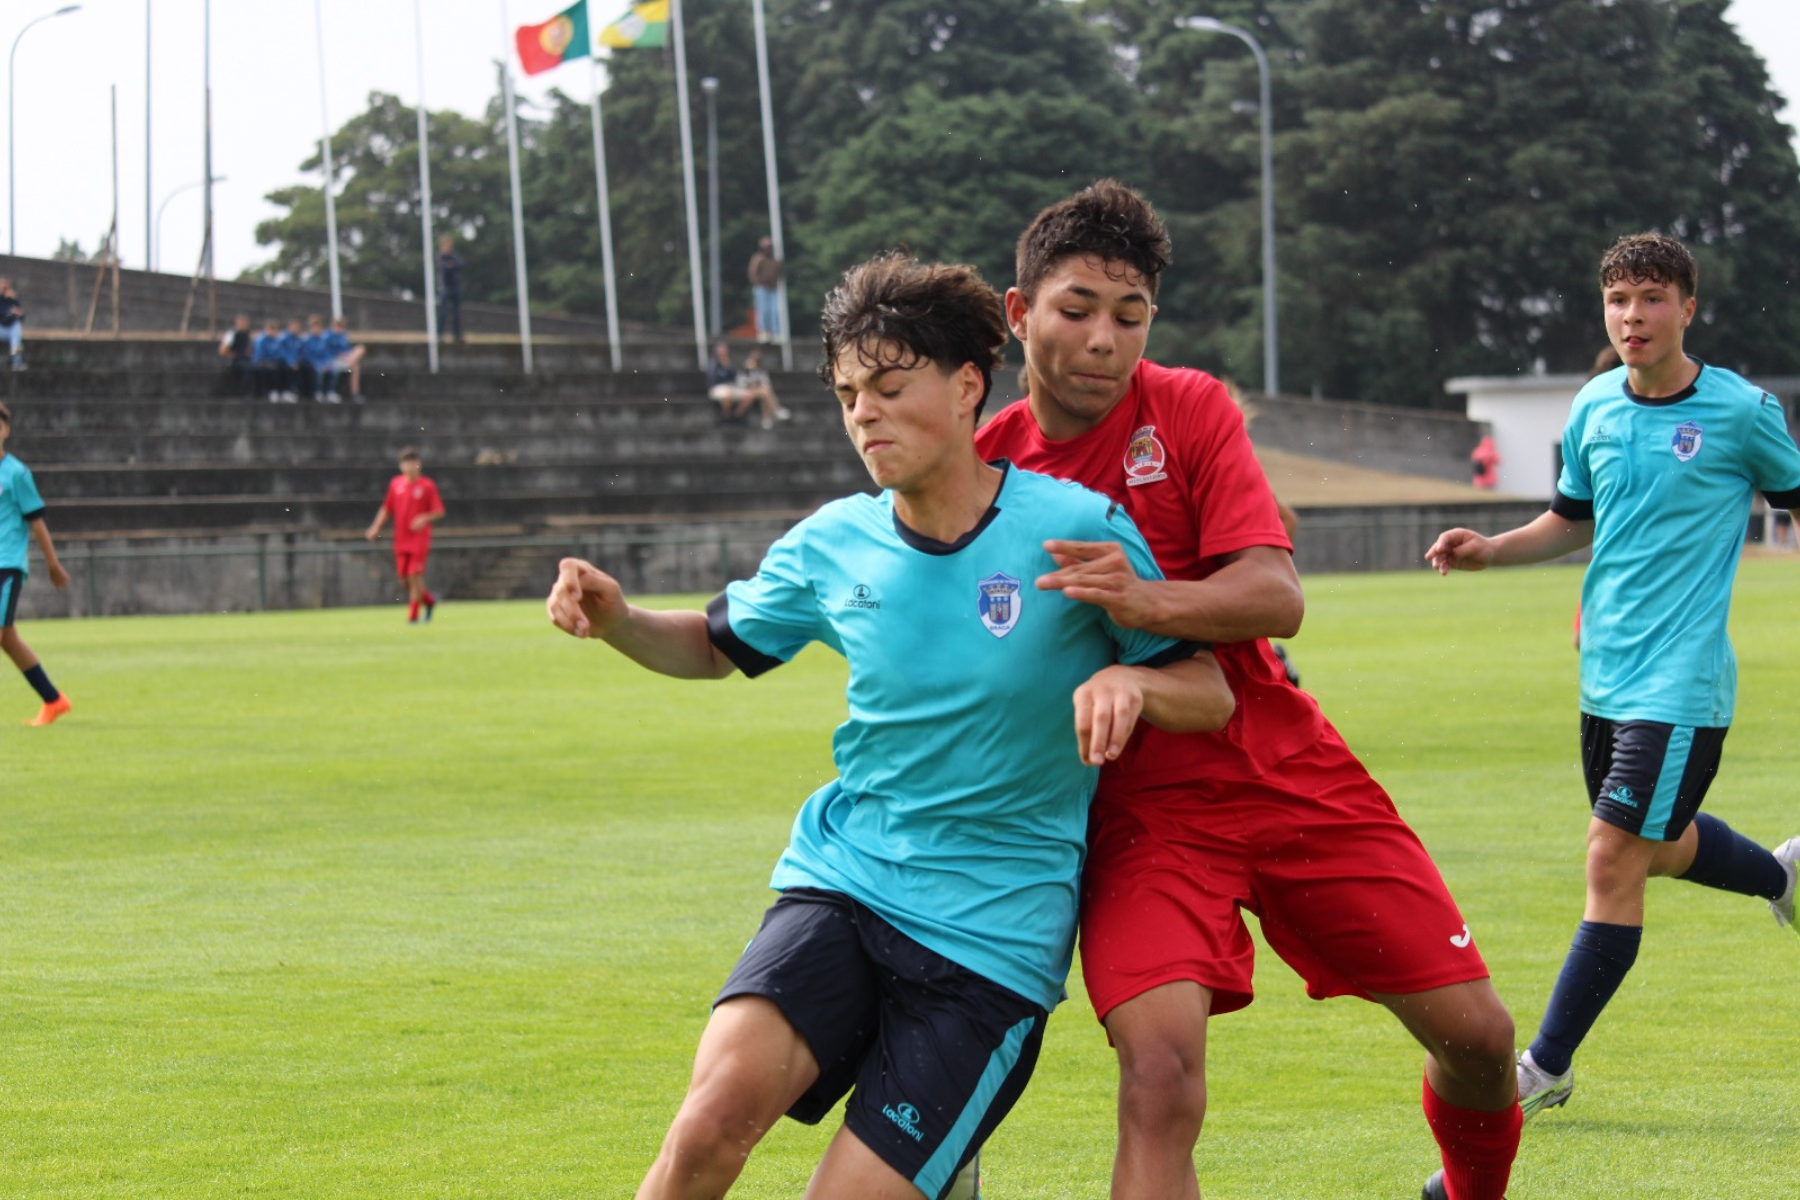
{"x": 317, "y": 904}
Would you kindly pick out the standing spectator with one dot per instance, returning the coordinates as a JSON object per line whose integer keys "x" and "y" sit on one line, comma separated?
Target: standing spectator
{"x": 449, "y": 270}
{"x": 12, "y": 319}
{"x": 412, "y": 500}
{"x": 22, "y": 515}
{"x": 754, "y": 382}
{"x": 1484, "y": 464}
{"x": 271, "y": 367}
{"x": 765, "y": 281}
{"x": 238, "y": 349}
{"x": 321, "y": 363}
{"x": 346, "y": 357}
{"x": 293, "y": 356}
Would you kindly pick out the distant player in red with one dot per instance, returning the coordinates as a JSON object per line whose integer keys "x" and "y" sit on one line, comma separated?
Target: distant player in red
{"x": 413, "y": 501}
{"x": 1273, "y": 814}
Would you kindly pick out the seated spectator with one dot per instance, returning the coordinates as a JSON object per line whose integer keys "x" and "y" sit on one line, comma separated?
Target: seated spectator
{"x": 293, "y": 344}
{"x": 722, "y": 386}
{"x": 272, "y": 375}
{"x": 12, "y": 321}
{"x": 754, "y": 381}
{"x": 321, "y": 367}
{"x": 346, "y": 357}
{"x": 238, "y": 349}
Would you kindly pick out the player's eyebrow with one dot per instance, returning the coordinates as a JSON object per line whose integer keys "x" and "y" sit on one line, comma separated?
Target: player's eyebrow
{"x": 1088, "y": 293}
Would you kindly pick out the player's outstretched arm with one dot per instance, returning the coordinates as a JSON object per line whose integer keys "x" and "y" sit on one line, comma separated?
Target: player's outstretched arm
{"x": 586, "y": 602}
{"x": 1548, "y": 537}
{"x": 40, "y": 533}
{"x": 1190, "y": 696}
{"x": 1254, "y": 593}
{"x": 381, "y": 516}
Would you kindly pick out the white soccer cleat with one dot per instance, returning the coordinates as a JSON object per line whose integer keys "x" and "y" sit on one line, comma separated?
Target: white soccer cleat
{"x": 1788, "y": 855}
{"x": 1539, "y": 1089}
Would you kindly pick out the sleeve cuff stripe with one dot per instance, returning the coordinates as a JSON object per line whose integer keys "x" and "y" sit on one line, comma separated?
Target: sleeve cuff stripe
{"x": 745, "y": 657}
{"x": 1571, "y": 509}
{"x": 1787, "y": 499}
{"x": 1174, "y": 654}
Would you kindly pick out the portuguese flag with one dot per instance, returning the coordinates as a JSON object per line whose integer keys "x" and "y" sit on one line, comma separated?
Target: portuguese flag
{"x": 556, "y": 41}
{"x": 645, "y": 25}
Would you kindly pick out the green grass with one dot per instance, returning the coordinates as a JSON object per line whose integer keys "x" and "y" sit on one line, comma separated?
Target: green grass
{"x": 310, "y": 904}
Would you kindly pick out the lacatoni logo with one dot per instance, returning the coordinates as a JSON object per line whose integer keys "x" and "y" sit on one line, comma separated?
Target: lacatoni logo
{"x": 862, "y": 596}
{"x": 907, "y": 1118}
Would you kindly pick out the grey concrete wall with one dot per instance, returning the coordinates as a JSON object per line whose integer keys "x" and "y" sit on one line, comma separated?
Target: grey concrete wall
{"x": 1415, "y": 441}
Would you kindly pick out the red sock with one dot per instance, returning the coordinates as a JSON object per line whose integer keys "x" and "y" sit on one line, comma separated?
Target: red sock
{"x": 412, "y": 611}
{"x": 430, "y": 600}
{"x": 1478, "y": 1147}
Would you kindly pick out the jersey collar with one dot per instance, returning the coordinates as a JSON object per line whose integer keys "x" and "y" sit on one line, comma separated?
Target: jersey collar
{"x": 930, "y": 545}
{"x": 1664, "y": 401}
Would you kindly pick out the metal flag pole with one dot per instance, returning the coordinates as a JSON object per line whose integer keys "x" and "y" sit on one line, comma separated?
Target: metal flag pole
{"x": 331, "y": 237}
{"x": 431, "y": 334}
{"x": 149, "y": 227}
{"x": 768, "y": 128}
{"x": 518, "y": 207}
{"x": 605, "y": 206}
{"x": 687, "y": 179}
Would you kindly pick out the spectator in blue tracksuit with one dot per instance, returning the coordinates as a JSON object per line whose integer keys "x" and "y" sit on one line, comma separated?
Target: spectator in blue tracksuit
{"x": 293, "y": 354}
{"x": 321, "y": 363}
{"x": 449, "y": 272}
{"x": 272, "y": 374}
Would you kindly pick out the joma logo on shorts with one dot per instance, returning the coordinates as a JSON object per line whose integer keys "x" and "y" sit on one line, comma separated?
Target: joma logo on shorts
{"x": 907, "y": 1118}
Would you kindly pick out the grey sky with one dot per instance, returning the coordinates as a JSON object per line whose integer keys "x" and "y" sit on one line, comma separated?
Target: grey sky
{"x": 266, "y": 97}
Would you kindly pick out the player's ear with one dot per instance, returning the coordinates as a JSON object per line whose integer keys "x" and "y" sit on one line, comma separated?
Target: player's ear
{"x": 1017, "y": 308}
{"x": 969, "y": 389}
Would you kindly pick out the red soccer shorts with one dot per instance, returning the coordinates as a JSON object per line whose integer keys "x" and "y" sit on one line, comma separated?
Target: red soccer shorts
{"x": 409, "y": 560}
{"x": 1345, "y": 892}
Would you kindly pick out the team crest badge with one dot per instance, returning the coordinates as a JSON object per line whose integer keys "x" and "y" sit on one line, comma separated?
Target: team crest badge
{"x": 998, "y": 603}
{"x": 1144, "y": 458}
{"x": 1686, "y": 442}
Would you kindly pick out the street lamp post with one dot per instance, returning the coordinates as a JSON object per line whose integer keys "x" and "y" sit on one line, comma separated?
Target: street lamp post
{"x": 12, "y": 220}
{"x": 186, "y": 187}
{"x": 709, "y": 87}
{"x": 1271, "y": 349}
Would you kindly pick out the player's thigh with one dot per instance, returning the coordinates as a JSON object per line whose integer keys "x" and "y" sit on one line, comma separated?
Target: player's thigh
{"x": 1347, "y": 893}
{"x": 850, "y": 1168}
{"x": 808, "y": 961}
{"x": 750, "y": 1068}
{"x": 1166, "y": 876}
{"x": 952, "y": 1056}
{"x": 1649, "y": 778}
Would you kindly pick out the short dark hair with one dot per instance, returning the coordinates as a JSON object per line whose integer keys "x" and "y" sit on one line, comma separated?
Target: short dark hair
{"x": 944, "y": 313}
{"x": 1108, "y": 220}
{"x": 1650, "y": 258}
{"x": 5, "y": 413}
{"x": 409, "y": 452}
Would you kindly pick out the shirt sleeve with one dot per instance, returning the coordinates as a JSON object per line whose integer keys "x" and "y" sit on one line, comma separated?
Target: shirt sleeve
{"x": 762, "y": 622}
{"x": 1229, "y": 492}
{"x": 1773, "y": 460}
{"x": 25, "y": 494}
{"x": 1138, "y": 647}
{"x": 1574, "y": 484}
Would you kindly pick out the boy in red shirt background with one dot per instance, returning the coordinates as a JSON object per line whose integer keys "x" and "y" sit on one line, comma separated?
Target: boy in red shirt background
{"x": 413, "y": 501}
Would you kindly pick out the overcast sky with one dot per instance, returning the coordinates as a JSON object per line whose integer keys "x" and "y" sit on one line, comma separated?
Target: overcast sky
{"x": 266, "y": 101}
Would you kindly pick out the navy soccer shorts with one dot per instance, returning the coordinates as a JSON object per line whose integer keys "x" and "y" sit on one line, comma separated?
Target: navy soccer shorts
{"x": 1646, "y": 777}
{"x": 936, "y": 1054}
{"x": 12, "y": 582}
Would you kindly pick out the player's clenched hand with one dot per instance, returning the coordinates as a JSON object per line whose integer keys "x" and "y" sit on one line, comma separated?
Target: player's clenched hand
{"x": 59, "y": 578}
{"x": 1107, "y": 708}
{"x": 585, "y": 600}
{"x": 1099, "y": 573}
{"x": 1460, "y": 550}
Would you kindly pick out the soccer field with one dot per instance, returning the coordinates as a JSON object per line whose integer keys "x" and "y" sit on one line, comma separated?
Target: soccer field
{"x": 317, "y": 904}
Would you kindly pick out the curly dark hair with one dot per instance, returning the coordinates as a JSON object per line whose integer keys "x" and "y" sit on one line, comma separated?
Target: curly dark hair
{"x": 1109, "y": 220}
{"x": 1650, "y": 258}
{"x": 898, "y": 312}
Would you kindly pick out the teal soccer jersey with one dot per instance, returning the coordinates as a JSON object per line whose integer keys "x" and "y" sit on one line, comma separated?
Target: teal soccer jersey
{"x": 19, "y": 504}
{"x": 1668, "y": 484}
{"x": 959, "y": 814}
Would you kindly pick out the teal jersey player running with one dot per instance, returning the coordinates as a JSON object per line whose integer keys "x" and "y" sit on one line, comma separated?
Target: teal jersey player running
{"x": 960, "y": 811}
{"x": 20, "y": 505}
{"x": 1661, "y": 458}
{"x": 1667, "y": 483}
{"x": 21, "y": 523}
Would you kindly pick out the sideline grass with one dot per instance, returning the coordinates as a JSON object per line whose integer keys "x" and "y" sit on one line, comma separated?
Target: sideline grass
{"x": 302, "y": 904}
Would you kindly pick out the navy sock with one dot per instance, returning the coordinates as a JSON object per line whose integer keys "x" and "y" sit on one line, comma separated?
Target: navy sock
{"x": 1731, "y": 862}
{"x": 1598, "y": 959}
{"x": 40, "y": 682}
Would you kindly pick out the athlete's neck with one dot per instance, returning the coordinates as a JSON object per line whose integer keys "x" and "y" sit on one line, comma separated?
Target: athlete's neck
{"x": 952, "y": 503}
{"x": 1660, "y": 380}
{"x": 1065, "y": 413}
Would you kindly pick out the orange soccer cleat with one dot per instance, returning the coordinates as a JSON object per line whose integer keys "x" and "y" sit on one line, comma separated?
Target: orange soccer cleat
{"x": 50, "y": 711}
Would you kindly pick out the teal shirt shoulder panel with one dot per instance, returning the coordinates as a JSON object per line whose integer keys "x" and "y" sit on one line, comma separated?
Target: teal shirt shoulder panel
{"x": 19, "y": 501}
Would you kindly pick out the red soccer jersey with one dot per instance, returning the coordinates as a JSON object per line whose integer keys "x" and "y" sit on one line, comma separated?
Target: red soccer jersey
{"x": 1175, "y": 454}
{"x": 407, "y": 499}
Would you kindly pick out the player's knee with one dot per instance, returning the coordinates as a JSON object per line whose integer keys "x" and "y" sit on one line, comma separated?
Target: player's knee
{"x": 709, "y": 1137}
{"x": 1160, "y": 1086}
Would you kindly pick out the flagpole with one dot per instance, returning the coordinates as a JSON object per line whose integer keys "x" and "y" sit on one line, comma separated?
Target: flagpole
{"x": 149, "y": 230}
{"x": 431, "y": 331}
{"x": 518, "y": 207}
{"x": 331, "y": 238}
{"x": 687, "y": 179}
{"x": 605, "y": 206}
{"x": 768, "y": 129}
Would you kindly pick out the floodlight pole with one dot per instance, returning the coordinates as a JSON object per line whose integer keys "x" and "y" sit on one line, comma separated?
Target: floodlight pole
{"x": 709, "y": 87}
{"x": 1271, "y": 349}
{"x": 12, "y": 220}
